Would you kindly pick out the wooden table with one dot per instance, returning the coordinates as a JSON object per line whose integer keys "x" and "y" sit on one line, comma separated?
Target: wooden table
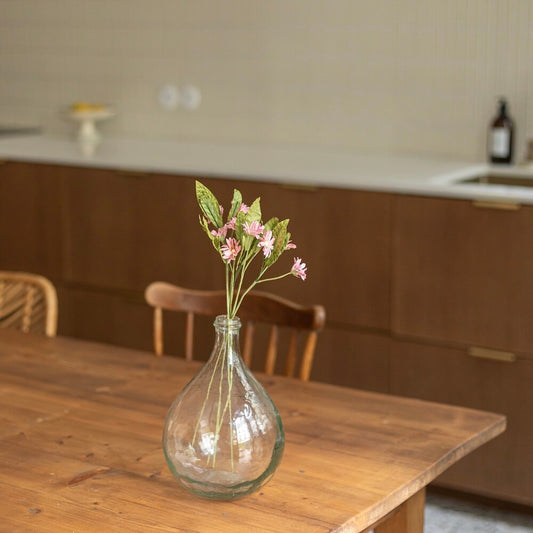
{"x": 80, "y": 448}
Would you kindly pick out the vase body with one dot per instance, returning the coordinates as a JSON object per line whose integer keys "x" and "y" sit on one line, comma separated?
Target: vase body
{"x": 223, "y": 436}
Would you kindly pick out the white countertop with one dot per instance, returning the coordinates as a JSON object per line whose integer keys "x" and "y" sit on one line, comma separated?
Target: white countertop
{"x": 328, "y": 167}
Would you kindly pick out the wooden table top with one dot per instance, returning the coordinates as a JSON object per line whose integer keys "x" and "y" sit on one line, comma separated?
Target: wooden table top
{"x": 80, "y": 447}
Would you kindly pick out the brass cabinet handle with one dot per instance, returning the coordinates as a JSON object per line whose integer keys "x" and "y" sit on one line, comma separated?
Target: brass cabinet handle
{"x": 495, "y": 204}
{"x": 493, "y": 355}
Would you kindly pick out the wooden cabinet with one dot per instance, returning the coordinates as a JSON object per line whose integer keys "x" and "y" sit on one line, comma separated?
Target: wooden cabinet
{"x": 31, "y": 219}
{"x": 357, "y": 359}
{"x": 462, "y": 280}
{"x": 502, "y": 468}
{"x": 463, "y": 273}
{"x": 105, "y": 316}
{"x": 127, "y": 229}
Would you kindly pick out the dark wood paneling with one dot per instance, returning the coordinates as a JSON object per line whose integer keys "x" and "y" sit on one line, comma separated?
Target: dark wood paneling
{"x": 105, "y": 316}
{"x": 127, "y": 230}
{"x": 352, "y": 359}
{"x": 31, "y": 219}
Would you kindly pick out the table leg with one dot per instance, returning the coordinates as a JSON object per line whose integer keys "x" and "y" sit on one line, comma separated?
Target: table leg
{"x": 409, "y": 518}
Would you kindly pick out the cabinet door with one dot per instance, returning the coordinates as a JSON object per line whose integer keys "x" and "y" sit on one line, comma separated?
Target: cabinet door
{"x": 501, "y": 468}
{"x": 30, "y": 219}
{"x": 344, "y": 238}
{"x": 354, "y": 359}
{"x": 105, "y": 316}
{"x": 463, "y": 273}
{"x": 125, "y": 230}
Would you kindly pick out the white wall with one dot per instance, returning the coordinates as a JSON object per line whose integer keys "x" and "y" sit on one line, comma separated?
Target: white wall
{"x": 389, "y": 75}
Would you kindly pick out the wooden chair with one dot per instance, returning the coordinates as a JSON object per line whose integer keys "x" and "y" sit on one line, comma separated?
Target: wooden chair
{"x": 258, "y": 307}
{"x": 28, "y": 302}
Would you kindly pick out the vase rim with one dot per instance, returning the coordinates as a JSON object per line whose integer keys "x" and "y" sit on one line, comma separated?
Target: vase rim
{"x": 223, "y": 321}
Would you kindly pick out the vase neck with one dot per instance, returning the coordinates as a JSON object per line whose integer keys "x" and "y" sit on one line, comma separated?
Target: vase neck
{"x": 227, "y": 338}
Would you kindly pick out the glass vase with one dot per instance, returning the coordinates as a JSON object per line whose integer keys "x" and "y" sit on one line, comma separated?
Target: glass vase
{"x": 223, "y": 436}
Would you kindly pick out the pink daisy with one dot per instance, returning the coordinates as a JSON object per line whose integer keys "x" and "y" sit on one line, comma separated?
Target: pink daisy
{"x": 231, "y": 223}
{"x": 244, "y": 208}
{"x": 267, "y": 243}
{"x": 220, "y": 232}
{"x": 230, "y": 250}
{"x": 299, "y": 268}
{"x": 253, "y": 228}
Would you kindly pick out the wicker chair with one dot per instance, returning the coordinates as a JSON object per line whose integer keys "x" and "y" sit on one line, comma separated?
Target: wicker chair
{"x": 28, "y": 303}
{"x": 257, "y": 307}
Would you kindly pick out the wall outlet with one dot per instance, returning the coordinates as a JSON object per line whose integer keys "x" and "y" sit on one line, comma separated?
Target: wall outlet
{"x": 190, "y": 97}
{"x": 168, "y": 96}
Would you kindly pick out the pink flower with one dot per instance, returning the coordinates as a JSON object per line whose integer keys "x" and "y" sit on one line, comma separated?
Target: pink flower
{"x": 231, "y": 223}
{"x": 244, "y": 208}
{"x": 267, "y": 243}
{"x": 220, "y": 232}
{"x": 254, "y": 228}
{"x": 230, "y": 250}
{"x": 299, "y": 269}
{"x": 290, "y": 246}
{"x": 221, "y": 209}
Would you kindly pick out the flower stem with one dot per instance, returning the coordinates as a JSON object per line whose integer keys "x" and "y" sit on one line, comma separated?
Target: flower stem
{"x": 275, "y": 278}
{"x": 206, "y": 398}
{"x": 218, "y": 422}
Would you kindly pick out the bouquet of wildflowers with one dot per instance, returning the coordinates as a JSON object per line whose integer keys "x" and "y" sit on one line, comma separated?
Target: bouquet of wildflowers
{"x": 241, "y": 238}
{"x": 223, "y": 435}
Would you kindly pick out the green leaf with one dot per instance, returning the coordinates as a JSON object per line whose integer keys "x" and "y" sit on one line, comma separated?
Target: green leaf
{"x": 208, "y": 204}
{"x": 269, "y": 226}
{"x": 239, "y": 230}
{"x": 247, "y": 241}
{"x": 254, "y": 213}
{"x": 214, "y": 240}
{"x": 235, "y": 204}
{"x": 287, "y": 239}
{"x": 279, "y": 233}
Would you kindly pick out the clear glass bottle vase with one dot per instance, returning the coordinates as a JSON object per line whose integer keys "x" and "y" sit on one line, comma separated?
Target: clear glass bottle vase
{"x": 223, "y": 436}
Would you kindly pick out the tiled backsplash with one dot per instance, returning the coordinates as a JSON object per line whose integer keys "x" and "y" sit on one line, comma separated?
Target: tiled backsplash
{"x": 389, "y": 75}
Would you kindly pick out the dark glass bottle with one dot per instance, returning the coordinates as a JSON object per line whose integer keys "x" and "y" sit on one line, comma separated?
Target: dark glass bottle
{"x": 501, "y": 136}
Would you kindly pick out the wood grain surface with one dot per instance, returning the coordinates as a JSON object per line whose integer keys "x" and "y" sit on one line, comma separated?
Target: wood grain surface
{"x": 80, "y": 448}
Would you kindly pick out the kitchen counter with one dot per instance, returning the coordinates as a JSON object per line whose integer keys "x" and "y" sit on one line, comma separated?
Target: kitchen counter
{"x": 306, "y": 166}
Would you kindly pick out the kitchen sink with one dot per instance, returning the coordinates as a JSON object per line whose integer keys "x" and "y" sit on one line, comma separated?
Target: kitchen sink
{"x": 494, "y": 179}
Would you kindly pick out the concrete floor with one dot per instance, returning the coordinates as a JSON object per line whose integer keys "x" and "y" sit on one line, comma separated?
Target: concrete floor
{"x": 450, "y": 514}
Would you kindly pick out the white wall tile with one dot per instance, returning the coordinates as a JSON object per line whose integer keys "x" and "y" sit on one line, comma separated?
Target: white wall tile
{"x": 391, "y": 75}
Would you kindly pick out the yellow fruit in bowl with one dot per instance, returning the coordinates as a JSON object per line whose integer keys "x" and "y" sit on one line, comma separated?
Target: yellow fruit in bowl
{"x": 86, "y": 107}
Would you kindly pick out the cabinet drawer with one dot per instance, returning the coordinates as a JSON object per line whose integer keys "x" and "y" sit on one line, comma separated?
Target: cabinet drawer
{"x": 463, "y": 273}
{"x": 502, "y": 468}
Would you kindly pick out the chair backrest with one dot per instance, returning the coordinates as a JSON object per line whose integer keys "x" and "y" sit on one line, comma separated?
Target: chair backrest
{"x": 257, "y": 307}
{"x": 28, "y": 302}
